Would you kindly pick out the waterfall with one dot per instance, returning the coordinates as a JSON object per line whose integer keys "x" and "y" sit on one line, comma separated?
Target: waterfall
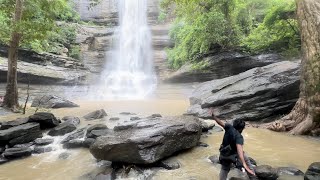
{"x": 129, "y": 73}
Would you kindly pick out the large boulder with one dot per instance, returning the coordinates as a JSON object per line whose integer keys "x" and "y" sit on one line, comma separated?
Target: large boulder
{"x": 148, "y": 140}
{"x": 72, "y": 120}
{"x": 221, "y": 65}
{"x": 258, "y": 94}
{"x": 52, "y": 101}
{"x": 313, "y": 172}
{"x": 18, "y": 134}
{"x": 46, "y": 120}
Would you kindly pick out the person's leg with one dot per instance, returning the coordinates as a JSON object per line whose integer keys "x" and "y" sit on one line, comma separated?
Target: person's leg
{"x": 225, "y": 168}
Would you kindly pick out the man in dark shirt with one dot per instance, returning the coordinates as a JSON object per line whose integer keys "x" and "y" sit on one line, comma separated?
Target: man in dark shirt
{"x": 232, "y": 148}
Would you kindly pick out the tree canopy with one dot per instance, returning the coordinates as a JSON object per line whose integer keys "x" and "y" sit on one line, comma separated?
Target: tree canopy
{"x": 254, "y": 26}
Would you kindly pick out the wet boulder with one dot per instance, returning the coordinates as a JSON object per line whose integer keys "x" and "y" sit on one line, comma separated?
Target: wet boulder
{"x": 147, "y": 141}
{"x": 313, "y": 172}
{"x": 13, "y": 153}
{"x": 20, "y": 134}
{"x": 62, "y": 129}
{"x": 98, "y": 114}
{"x": 42, "y": 149}
{"x": 259, "y": 94}
{"x": 72, "y": 120}
{"x": 46, "y": 120}
{"x": 52, "y": 101}
{"x": 291, "y": 171}
{"x": 97, "y": 130}
{"x": 43, "y": 141}
{"x": 78, "y": 134}
{"x": 266, "y": 172}
{"x": 17, "y": 122}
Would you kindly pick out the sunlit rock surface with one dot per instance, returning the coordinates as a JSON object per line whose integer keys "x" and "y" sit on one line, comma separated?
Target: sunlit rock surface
{"x": 258, "y": 94}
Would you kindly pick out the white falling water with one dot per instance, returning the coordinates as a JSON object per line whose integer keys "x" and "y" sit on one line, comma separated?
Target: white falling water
{"x": 129, "y": 74}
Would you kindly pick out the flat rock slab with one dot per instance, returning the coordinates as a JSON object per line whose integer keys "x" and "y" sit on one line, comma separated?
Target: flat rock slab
{"x": 52, "y": 101}
{"x": 259, "y": 94}
{"x": 17, "y": 122}
{"x": 13, "y": 153}
{"x": 17, "y": 131}
{"x": 62, "y": 129}
{"x": 147, "y": 141}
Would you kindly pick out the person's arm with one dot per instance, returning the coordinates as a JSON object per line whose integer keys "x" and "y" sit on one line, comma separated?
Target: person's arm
{"x": 221, "y": 123}
{"x": 241, "y": 156}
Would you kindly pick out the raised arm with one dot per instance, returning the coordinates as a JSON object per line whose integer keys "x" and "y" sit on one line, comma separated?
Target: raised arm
{"x": 221, "y": 123}
{"x": 241, "y": 157}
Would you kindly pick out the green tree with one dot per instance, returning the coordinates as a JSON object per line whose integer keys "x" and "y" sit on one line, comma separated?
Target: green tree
{"x": 25, "y": 21}
{"x": 305, "y": 116}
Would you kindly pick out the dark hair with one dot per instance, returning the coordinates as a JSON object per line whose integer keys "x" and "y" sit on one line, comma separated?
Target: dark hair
{"x": 239, "y": 124}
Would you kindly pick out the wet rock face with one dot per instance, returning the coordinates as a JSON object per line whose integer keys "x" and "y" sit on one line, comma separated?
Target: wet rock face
{"x": 221, "y": 65}
{"x": 266, "y": 172}
{"x": 148, "y": 140}
{"x": 20, "y": 134}
{"x": 98, "y": 114}
{"x": 13, "y": 153}
{"x": 258, "y": 94}
{"x": 62, "y": 129}
{"x": 313, "y": 172}
{"x": 52, "y": 101}
{"x": 17, "y": 122}
{"x": 46, "y": 120}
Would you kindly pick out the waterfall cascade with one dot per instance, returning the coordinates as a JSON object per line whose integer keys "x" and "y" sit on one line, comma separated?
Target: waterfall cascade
{"x": 129, "y": 73}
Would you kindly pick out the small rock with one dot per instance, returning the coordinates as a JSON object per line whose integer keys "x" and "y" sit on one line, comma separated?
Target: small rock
{"x": 72, "y": 120}
{"x": 266, "y": 172}
{"x": 13, "y": 153}
{"x": 64, "y": 155}
{"x": 214, "y": 159}
{"x": 127, "y": 113}
{"x": 62, "y": 129}
{"x": 169, "y": 165}
{"x": 114, "y": 119}
{"x": 205, "y": 126}
{"x": 201, "y": 144}
{"x": 134, "y": 118}
{"x": 26, "y": 145}
{"x": 217, "y": 129}
{"x": 313, "y": 172}
{"x": 95, "y": 127}
{"x": 97, "y": 133}
{"x": 75, "y": 143}
{"x": 98, "y": 114}
{"x": 156, "y": 116}
{"x": 78, "y": 134}
{"x": 41, "y": 149}
{"x": 43, "y": 142}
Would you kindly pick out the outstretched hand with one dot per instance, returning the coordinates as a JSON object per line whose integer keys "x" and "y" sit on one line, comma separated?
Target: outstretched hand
{"x": 211, "y": 112}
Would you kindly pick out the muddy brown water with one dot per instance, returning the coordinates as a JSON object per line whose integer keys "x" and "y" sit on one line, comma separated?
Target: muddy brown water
{"x": 266, "y": 147}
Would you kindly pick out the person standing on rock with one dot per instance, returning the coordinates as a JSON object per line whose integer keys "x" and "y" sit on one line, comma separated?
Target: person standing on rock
{"x": 231, "y": 149}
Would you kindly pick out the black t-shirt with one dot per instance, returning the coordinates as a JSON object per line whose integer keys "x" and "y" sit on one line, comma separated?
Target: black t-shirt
{"x": 232, "y": 137}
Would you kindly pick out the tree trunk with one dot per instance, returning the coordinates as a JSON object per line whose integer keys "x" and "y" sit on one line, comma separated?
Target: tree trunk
{"x": 305, "y": 116}
{"x": 11, "y": 96}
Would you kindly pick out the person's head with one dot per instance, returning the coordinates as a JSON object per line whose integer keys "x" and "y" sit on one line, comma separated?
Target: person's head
{"x": 239, "y": 125}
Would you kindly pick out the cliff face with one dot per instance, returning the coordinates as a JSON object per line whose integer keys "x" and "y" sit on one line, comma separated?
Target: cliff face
{"x": 96, "y": 41}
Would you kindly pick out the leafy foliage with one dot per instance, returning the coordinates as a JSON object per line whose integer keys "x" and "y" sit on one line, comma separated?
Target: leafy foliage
{"x": 38, "y": 25}
{"x": 252, "y": 25}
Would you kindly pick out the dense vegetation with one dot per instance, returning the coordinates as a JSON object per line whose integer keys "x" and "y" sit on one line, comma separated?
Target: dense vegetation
{"x": 42, "y": 32}
{"x": 202, "y": 27}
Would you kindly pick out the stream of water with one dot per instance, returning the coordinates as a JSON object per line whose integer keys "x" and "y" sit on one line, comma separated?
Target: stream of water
{"x": 275, "y": 149}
